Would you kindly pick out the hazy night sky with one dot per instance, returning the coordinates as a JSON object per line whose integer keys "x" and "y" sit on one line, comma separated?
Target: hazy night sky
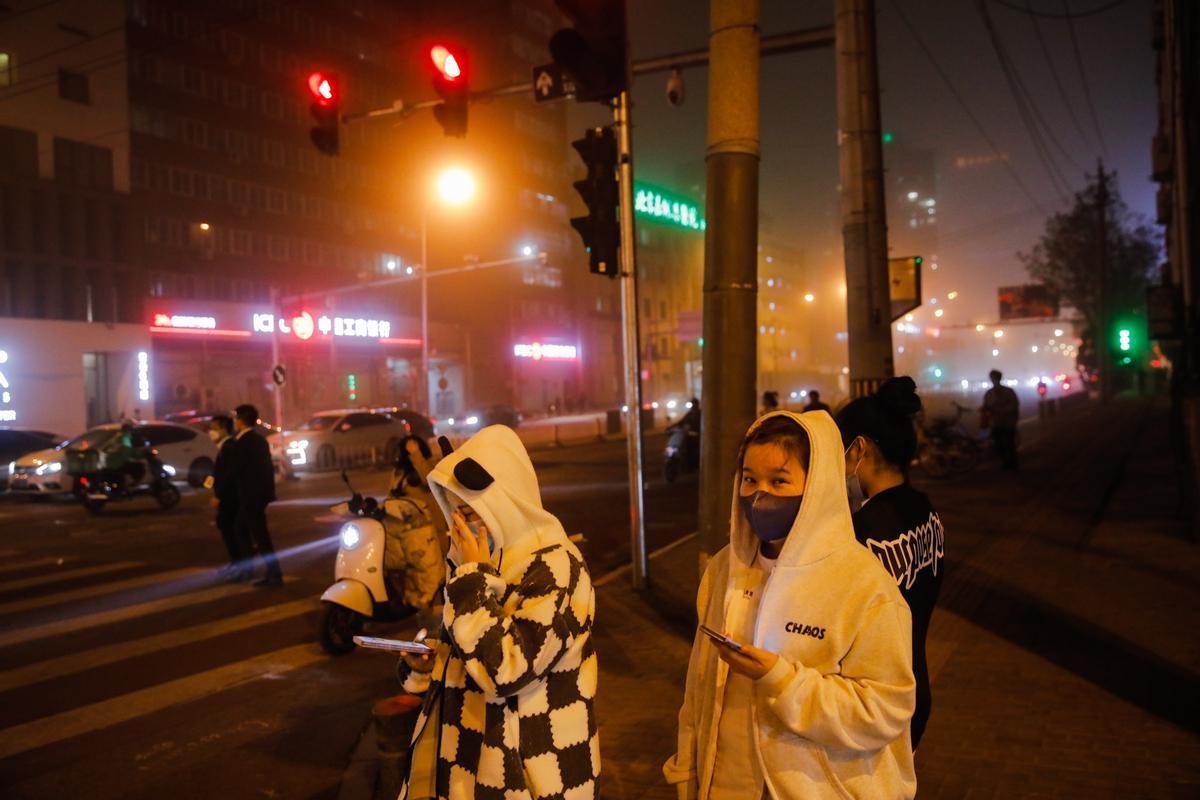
{"x": 984, "y": 217}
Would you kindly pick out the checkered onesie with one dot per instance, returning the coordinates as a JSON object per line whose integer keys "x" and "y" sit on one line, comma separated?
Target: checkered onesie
{"x": 517, "y": 673}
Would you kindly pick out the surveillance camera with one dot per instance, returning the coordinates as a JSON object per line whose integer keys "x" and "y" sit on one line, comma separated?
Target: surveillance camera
{"x": 675, "y": 88}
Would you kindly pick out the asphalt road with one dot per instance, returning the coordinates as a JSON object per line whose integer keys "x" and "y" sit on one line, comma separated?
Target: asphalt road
{"x": 128, "y": 670}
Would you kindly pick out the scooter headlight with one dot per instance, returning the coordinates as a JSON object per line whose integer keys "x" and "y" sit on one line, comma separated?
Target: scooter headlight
{"x": 351, "y": 536}
{"x": 167, "y": 468}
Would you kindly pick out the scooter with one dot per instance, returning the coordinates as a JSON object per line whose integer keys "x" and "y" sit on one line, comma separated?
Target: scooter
{"x": 96, "y": 488}
{"x": 363, "y": 589}
{"x": 683, "y": 453}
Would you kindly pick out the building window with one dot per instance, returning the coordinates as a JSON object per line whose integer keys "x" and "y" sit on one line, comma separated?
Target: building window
{"x": 276, "y": 201}
{"x": 73, "y": 86}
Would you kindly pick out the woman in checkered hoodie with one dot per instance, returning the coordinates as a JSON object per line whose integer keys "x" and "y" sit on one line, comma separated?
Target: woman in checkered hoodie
{"x": 508, "y": 711}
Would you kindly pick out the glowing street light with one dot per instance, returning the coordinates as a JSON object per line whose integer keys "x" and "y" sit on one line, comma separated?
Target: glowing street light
{"x": 456, "y": 186}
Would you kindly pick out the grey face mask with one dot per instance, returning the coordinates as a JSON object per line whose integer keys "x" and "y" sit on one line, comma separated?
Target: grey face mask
{"x": 770, "y": 516}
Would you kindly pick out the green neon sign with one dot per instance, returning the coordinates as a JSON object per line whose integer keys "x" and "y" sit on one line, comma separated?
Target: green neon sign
{"x": 662, "y": 206}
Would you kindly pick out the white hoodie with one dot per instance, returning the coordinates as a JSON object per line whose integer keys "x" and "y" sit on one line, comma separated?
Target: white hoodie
{"x": 832, "y": 716}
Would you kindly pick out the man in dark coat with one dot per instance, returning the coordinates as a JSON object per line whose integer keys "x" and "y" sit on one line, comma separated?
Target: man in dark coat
{"x": 254, "y": 478}
{"x": 224, "y": 489}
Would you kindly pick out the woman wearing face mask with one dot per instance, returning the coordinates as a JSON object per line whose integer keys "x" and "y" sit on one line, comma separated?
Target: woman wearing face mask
{"x": 813, "y": 699}
{"x": 897, "y": 523}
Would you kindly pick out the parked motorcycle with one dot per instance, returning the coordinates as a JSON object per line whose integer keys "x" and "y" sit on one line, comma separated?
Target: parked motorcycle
{"x": 146, "y": 475}
{"x": 683, "y": 452}
{"x": 368, "y": 574}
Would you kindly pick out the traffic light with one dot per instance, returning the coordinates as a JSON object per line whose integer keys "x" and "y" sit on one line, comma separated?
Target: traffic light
{"x": 601, "y": 228}
{"x": 326, "y": 111}
{"x": 1124, "y": 343}
{"x": 592, "y": 53}
{"x": 451, "y": 81}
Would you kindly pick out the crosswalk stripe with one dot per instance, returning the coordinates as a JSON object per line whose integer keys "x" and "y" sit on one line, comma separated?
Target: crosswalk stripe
{"x": 55, "y": 577}
{"x": 91, "y": 659}
{"x": 100, "y": 589}
{"x": 37, "y": 562}
{"x": 85, "y": 621}
{"x": 98, "y": 716}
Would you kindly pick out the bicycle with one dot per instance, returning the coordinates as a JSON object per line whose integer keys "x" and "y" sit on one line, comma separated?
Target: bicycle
{"x": 945, "y": 448}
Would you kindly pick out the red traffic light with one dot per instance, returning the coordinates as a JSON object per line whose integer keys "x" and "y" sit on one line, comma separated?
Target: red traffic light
{"x": 446, "y": 62}
{"x": 323, "y": 89}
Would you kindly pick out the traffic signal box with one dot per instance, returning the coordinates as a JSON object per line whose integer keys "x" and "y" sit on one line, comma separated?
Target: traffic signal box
{"x": 451, "y": 80}
{"x": 600, "y": 229}
{"x": 326, "y": 111}
{"x": 592, "y": 53}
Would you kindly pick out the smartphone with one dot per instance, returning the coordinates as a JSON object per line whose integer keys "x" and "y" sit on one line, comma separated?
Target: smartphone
{"x": 393, "y": 645}
{"x": 716, "y": 636}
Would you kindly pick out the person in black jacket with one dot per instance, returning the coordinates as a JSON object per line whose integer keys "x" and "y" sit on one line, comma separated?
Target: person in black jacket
{"x": 896, "y": 522}
{"x": 224, "y": 489}
{"x": 254, "y": 479}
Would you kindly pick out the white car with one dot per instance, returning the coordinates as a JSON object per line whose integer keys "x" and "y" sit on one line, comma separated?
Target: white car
{"x": 189, "y": 453}
{"x": 344, "y": 438}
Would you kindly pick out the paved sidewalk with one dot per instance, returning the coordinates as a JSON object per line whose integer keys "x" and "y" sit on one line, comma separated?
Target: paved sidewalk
{"x": 1064, "y": 652}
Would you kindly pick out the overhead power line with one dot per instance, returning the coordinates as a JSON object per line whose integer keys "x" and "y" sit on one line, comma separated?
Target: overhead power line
{"x": 1087, "y": 92}
{"x": 963, "y": 104}
{"x": 1026, "y": 109}
{"x": 1067, "y": 14}
{"x": 1062, "y": 93}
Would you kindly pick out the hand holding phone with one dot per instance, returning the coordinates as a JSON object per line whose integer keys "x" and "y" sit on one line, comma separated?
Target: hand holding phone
{"x": 393, "y": 645}
{"x": 720, "y": 638}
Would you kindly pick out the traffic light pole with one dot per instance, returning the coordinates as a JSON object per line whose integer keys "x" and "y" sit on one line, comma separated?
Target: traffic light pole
{"x": 631, "y": 341}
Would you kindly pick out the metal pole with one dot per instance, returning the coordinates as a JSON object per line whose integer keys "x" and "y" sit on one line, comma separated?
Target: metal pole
{"x": 1101, "y": 333}
{"x": 423, "y": 407}
{"x": 864, "y": 225}
{"x": 632, "y": 342}
{"x": 730, "y": 260}
{"x": 276, "y": 315}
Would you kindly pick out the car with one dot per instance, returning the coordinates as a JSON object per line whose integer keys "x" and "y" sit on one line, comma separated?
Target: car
{"x": 16, "y": 442}
{"x": 472, "y": 421}
{"x": 415, "y": 422}
{"x": 187, "y": 453}
{"x": 200, "y": 420}
{"x": 345, "y": 438}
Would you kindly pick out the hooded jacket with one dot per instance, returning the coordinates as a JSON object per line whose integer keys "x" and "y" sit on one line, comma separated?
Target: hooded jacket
{"x": 832, "y": 716}
{"x": 515, "y": 675}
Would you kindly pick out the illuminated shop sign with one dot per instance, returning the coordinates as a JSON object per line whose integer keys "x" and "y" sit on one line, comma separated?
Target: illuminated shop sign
{"x": 143, "y": 375}
{"x": 663, "y": 207}
{"x": 302, "y": 325}
{"x": 7, "y": 412}
{"x": 549, "y": 352}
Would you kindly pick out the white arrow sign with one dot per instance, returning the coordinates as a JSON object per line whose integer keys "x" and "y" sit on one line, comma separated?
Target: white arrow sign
{"x": 544, "y": 83}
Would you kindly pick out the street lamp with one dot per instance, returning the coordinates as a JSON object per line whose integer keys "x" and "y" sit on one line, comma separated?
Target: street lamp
{"x": 455, "y": 187}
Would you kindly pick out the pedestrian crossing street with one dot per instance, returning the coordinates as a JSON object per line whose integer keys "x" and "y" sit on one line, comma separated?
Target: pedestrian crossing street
{"x": 61, "y": 619}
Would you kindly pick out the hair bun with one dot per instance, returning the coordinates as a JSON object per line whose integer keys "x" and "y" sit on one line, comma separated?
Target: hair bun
{"x": 898, "y": 396}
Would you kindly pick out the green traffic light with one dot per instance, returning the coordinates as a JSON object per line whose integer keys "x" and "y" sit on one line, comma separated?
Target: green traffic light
{"x": 1123, "y": 339}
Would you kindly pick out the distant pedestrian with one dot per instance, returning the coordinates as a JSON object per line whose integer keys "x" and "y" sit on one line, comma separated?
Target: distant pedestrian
{"x": 1001, "y": 410}
{"x": 814, "y": 696}
{"x": 223, "y": 484}
{"x": 254, "y": 476}
{"x": 814, "y": 402}
{"x": 770, "y": 402}
{"x": 897, "y": 524}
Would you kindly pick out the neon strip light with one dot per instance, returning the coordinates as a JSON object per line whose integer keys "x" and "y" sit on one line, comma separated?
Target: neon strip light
{"x": 538, "y": 351}
{"x": 412, "y": 342}
{"x": 202, "y": 332}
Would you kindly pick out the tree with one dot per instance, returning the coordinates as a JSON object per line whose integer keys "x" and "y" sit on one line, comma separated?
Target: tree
{"x": 1067, "y": 258}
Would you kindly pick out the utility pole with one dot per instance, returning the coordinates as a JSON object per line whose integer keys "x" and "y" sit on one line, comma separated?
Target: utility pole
{"x": 631, "y": 341}
{"x": 277, "y": 394}
{"x": 730, "y": 260}
{"x": 864, "y": 224}
{"x": 1103, "y": 354}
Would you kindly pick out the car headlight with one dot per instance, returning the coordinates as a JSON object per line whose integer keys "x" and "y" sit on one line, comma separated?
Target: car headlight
{"x": 351, "y": 536}
{"x": 50, "y": 467}
{"x": 12, "y": 467}
{"x": 472, "y": 420}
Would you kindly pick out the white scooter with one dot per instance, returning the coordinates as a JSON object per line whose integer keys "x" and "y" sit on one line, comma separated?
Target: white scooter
{"x": 361, "y": 590}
